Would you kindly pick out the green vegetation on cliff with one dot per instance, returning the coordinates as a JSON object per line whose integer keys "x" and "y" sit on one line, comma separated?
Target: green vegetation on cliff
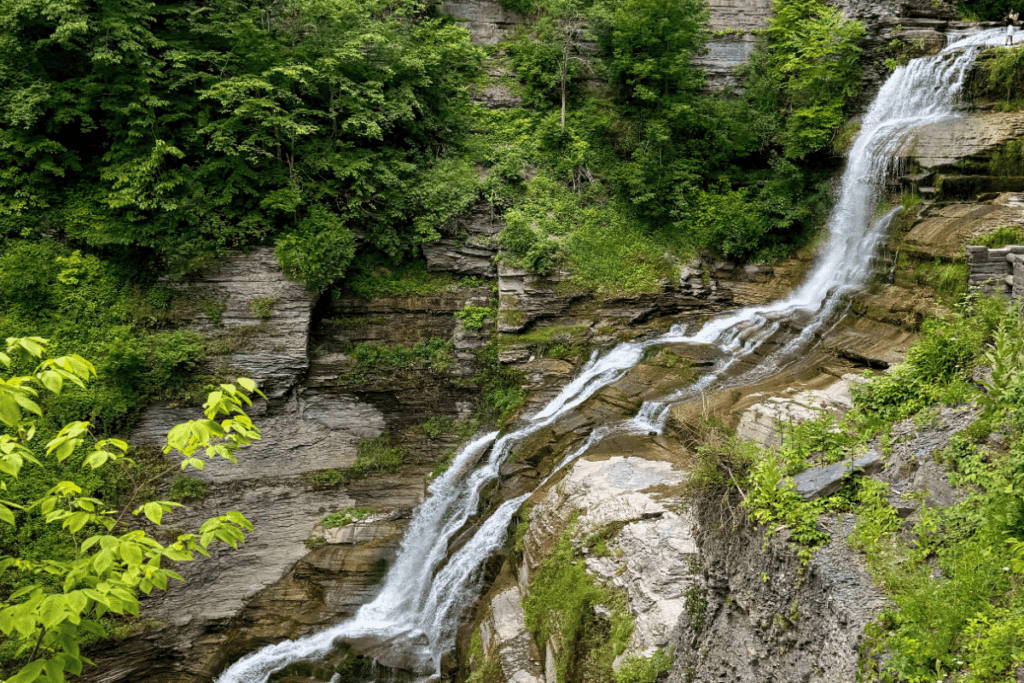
{"x": 186, "y": 129}
{"x": 955, "y": 575}
{"x": 66, "y": 557}
{"x": 616, "y": 181}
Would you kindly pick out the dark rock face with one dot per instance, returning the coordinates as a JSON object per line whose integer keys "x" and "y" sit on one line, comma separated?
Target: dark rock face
{"x": 759, "y": 616}
{"x": 911, "y": 471}
{"x": 276, "y": 586}
{"x": 469, "y": 245}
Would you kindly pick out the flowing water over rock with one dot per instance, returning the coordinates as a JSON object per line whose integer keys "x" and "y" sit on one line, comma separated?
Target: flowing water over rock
{"x": 413, "y": 620}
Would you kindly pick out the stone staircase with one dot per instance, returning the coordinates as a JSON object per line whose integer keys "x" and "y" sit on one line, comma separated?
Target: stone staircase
{"x": 997, "y": 271}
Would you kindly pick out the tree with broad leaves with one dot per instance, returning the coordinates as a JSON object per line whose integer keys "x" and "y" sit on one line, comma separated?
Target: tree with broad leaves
{"x": 65, "y": 599}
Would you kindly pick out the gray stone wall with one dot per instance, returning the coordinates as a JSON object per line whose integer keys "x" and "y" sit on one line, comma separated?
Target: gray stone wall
{"x": 997, "y": 271}
{"x": 740, "y": 14}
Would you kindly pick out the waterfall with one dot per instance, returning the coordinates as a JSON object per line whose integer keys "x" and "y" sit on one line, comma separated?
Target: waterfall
{"x": 412, "y": 621}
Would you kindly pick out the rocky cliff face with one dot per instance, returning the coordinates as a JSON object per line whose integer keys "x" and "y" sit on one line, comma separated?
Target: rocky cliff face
{"x": 293, "y": 575}
{"x": 684, "y": 587}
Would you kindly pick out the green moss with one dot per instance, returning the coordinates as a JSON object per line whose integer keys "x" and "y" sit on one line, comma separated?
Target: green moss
{"x": 324, "y": 480}
{"x": 511, "y": 316}
{"x": 545, "y": 336}
{"x": 346, "y": 516}
{"x": 473, "y": 317}
{"x": 374, "y": 360}
{"x": 1001, "y": 237}
{"x": 375, "y": 456}
{"x": 376, "y": 276}
{"x": 213, "y": 309}
{"x": 560, "y": 606}
{"x": 186, "y": 489}
{"x": 696, "y": 607}
{"x": 356, "y": 322}
{"x": 482, "y": 669}
{"x": 261, "y": 307}
{"x": 644, "y": 669}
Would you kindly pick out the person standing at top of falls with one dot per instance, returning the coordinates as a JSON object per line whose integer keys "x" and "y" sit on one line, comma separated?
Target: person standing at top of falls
{"x": 1011, "y": 20}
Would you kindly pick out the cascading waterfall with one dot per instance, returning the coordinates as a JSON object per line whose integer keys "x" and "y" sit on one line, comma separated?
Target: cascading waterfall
{"x": 412, "y": 622}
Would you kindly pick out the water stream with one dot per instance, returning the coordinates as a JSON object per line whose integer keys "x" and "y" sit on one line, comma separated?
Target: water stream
{"x": 412, "y": 621}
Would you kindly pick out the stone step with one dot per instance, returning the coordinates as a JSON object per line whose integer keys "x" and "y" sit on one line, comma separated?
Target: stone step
{"x": 927, "y": 192}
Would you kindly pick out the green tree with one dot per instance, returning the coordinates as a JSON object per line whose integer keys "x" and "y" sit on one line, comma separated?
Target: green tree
{"x": 63, "y": 600}
{"x": 648, "y": 45}
{"x": 187, "y": 128}
{"x": 815, "y": 58}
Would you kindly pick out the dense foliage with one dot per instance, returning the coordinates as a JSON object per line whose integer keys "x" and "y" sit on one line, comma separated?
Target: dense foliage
{"x": 665, "y": 166}
{"x": 187, "y": 128}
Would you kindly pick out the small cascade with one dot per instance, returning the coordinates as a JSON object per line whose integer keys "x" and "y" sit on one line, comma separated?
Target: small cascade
{"x": 412, "y": 621}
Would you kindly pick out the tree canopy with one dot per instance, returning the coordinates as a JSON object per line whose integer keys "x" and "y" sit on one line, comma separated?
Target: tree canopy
{"x": 185, "y": 126}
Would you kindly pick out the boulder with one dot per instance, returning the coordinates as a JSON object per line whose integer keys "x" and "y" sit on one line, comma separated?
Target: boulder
{"x": 818, "y": 482}
{"x": 946, "y": 231}
{"x": 486, "y": 20}
{"x": 763, "y": 421}
{"x": 942, "y": 145}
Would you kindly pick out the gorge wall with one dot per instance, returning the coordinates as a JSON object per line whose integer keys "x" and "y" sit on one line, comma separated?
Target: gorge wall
{"x": 687, "y": 589}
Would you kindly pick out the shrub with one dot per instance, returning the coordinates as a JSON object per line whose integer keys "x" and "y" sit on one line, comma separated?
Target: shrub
{"x": 644, "y": 669}
{"x": 473, "y": 317}
{"x": 319, "y": 251}
{"x": 375, "y": 456}
{"x": 1000, "y": 74}
{"x": 261, "y": 306}
{"x": 1001, "y": 237}
{"x": 325, "y": 480}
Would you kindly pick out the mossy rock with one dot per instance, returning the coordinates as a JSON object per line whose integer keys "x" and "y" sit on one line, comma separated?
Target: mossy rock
{"x": 970, "y": 186}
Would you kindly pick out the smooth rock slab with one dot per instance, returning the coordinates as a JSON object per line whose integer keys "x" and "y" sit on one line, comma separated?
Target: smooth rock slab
{"x": 818, "y": 482}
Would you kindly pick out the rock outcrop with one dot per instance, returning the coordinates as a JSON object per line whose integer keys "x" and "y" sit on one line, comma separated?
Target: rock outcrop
{"x": 758, "y": 615}
{"x": 486, "y": 20}
{"x": 526, "y": 299}
{"x": 469, "y": 244}
{"x": 259, "y": 316}
{"x": 294, "y": 575}
{"x": 628, "y": 496}
{"x": 763, "y": 421}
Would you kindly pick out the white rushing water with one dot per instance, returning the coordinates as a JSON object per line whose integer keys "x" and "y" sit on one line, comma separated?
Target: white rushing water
{"x": 412, "y": 621}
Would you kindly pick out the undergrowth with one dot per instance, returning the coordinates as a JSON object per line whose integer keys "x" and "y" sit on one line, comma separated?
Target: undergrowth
{"x": 954, "y": 576}
{"x": 560, "y": 608}
{"x": 347, "y": 516}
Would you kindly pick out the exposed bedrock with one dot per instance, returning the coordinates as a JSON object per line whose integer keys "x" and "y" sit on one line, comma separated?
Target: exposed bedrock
{"x": 294, "y": 575}
{"x": 526, "y": 299}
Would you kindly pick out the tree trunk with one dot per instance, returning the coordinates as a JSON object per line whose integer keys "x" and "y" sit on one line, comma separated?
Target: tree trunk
{"x": 565, "y": 68}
